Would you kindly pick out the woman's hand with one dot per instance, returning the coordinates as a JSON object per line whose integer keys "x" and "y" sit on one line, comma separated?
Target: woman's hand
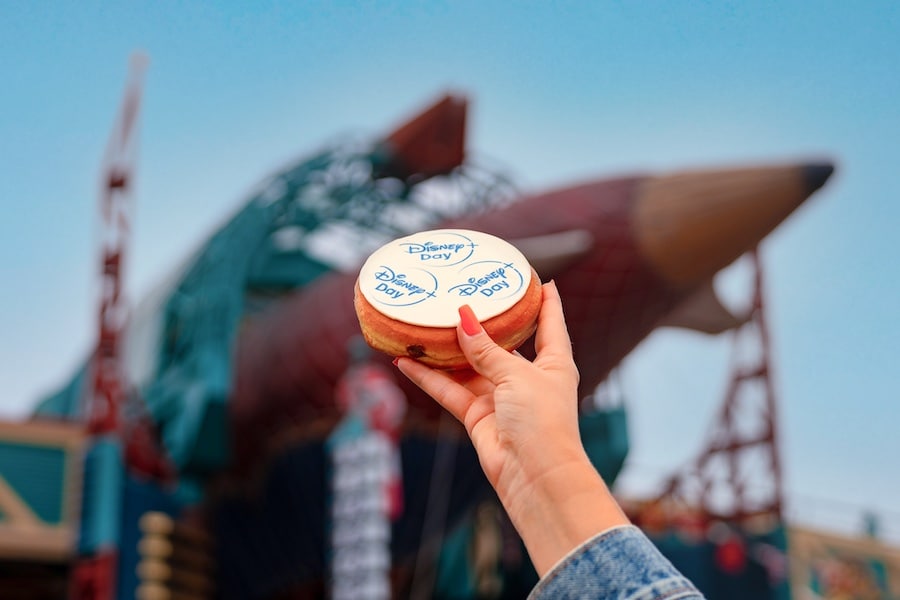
{"x": 522, "y": 418}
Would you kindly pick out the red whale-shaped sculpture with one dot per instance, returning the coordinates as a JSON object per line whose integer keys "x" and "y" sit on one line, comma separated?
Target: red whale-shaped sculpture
{"x": 627, "y": 254}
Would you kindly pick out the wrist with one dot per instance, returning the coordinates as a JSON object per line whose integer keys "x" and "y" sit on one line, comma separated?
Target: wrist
{"x": 562, "y": 508}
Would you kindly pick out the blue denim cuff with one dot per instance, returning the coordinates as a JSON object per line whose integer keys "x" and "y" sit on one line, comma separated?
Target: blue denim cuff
{"x": 618, "y": 563}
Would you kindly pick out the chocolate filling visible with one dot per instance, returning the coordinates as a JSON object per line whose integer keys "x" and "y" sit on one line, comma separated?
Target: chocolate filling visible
{"x": 416, "y": 351}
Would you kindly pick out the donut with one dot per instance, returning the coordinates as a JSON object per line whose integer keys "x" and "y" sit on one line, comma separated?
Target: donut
{"x": 408, "y": 293}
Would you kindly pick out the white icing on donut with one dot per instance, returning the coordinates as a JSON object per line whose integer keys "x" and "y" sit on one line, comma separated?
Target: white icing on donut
{"x": 424, "y": 278}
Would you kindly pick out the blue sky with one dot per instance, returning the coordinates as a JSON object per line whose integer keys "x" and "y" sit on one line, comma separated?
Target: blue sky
{"x": 560, "y": 91}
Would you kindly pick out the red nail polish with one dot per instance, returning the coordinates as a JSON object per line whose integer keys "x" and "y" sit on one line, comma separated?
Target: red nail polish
{"x": 468, "y": 320}
{"x": 395, "y": 361}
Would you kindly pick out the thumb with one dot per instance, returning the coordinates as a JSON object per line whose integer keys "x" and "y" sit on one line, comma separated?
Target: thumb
{"x": 485, "y": 356}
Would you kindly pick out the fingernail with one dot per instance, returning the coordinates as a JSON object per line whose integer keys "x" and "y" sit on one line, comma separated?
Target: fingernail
{"x": 468, "y": 320}
{"x": 395, "y": 361}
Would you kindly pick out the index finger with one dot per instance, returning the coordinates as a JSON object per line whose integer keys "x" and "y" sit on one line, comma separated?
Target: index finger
{"x": 449, "y": 393}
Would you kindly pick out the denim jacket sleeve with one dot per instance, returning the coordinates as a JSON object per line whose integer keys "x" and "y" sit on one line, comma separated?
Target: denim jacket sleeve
{"x": 620, "y": 563}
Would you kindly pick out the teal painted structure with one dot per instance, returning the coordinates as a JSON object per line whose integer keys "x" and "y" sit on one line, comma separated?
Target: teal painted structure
{"x": 191, "y": 378}
{"x": 66, "y": 402}
{"x": 604, "y": 434}
{"x": 101, "y": 507}
{"x": 265, "y": 250}
{"x": 37, "y": 473}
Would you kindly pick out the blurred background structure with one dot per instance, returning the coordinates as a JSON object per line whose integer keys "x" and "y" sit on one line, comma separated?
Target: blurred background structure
{"x": 591, "y": 92}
